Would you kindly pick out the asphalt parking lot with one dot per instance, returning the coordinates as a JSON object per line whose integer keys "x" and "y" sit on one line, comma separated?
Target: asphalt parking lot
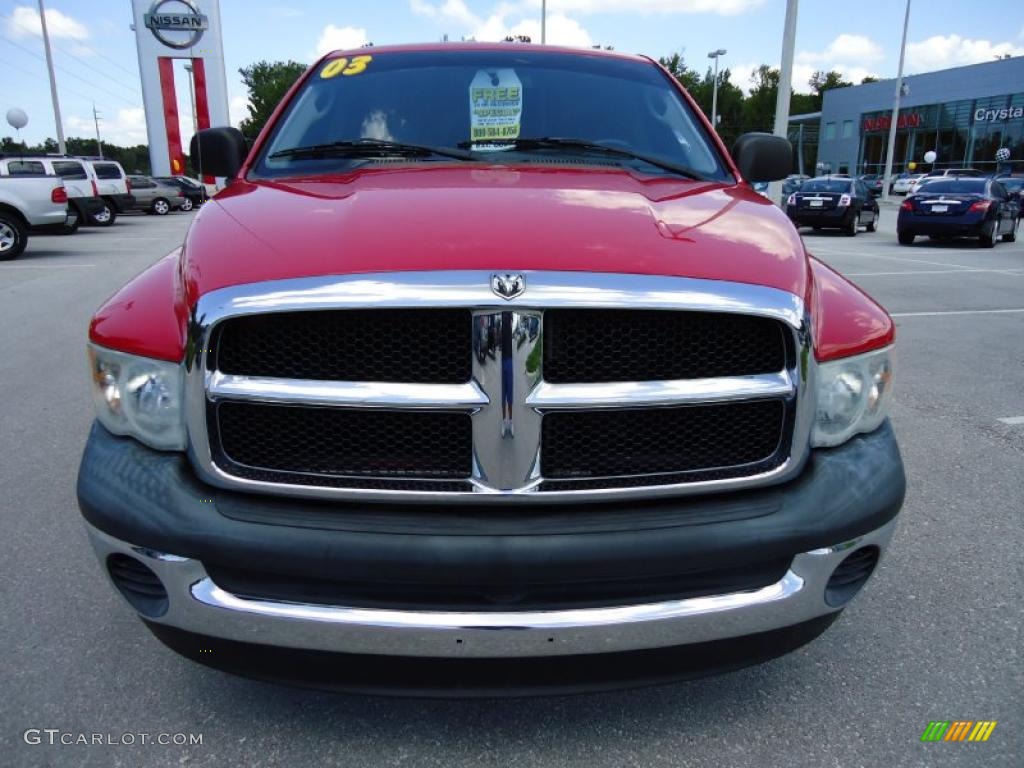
{"x": 936, "y": 636}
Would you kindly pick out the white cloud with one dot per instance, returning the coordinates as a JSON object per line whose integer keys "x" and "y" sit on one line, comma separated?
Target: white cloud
{"x": 238, "y": 110}
{"x": 844, "y": 49}
{"x": 334, "y": 38}
{"x": 561, "y": 30}
{"x": 720, "y": 7}
{"x": 942, "y": 51}
{"x": 450, "y": 10}
{"x": 24, "y": 22}
{"x": 126, "y": 128}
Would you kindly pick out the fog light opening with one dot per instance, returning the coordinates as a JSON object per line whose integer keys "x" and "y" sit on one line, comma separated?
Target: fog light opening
{"x": 850, "y": 575}
{"x": 139, "y": 584}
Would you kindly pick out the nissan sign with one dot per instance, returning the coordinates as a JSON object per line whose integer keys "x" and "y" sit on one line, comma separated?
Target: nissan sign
{"x": 176, "y": 23}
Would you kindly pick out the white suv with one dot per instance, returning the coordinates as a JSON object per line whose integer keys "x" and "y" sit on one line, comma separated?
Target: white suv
{"x": 79, "y": 181}
{"x": 114, "y": 189}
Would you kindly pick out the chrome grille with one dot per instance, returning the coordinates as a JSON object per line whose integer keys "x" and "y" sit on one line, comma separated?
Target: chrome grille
{"x": 730, "y": 415}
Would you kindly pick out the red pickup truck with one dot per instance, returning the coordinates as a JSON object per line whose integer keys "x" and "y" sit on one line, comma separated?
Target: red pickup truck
{"x": 489, "y": 371}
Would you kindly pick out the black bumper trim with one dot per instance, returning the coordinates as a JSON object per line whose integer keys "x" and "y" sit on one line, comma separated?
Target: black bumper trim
{"x": 481, "y": 678}
{"x": 154, "y": 500}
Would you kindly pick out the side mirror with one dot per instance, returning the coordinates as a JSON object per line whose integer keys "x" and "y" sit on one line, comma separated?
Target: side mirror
{"x": 763, "y": 156}
{"x": 218, "y": 151}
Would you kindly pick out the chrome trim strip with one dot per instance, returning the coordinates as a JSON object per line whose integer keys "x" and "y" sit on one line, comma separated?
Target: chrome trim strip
{"x": 352, "y": 394}
{"x": 506, "y": 461}
{"x": 634, "y": 394}
{"x": 198, "y": 605}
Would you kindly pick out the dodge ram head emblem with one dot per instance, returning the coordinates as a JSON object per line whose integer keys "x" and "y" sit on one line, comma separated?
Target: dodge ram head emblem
{"x": 508, "y": 286}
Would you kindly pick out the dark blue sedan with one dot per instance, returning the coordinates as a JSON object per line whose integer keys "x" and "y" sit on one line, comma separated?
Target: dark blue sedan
{"x": 959, "y": 207}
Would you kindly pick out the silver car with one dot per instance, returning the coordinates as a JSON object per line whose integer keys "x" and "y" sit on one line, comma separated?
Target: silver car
{"x": 156, "y": 197}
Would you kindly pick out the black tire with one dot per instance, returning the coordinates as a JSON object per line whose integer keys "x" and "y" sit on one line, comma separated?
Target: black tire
{"x": 104, "y": 217}
{"x": 988, "y": 239}
{"x": 187, "y": 204}
{"x": 160, "y": 207}
{"x": 850, "y": 230}
{"x": 905, "y": 238}
{"x": 70, "y": 229}
{"x": 13, "y": 236}
{"x": 873, "y": 225}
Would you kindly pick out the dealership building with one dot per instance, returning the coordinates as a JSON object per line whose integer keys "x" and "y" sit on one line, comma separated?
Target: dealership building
{"x": 964, "y": 114}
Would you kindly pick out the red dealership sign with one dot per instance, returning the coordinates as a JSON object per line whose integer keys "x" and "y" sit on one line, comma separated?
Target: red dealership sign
{"x": 912, "y": 120}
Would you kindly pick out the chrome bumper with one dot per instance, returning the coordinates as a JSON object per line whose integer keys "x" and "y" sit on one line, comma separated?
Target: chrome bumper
{"x": 198, "y": 605}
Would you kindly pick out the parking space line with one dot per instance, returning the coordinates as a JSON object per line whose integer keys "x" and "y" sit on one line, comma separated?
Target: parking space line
{"x": 958, "y": 312}
{"x": 919, "y": 261}
{"x": 1012, "y": 420}
{"x": 1015, "y": 272}
{"x": 44, "y": 266}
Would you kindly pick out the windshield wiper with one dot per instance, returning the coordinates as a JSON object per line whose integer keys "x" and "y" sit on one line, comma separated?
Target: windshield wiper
{"x": 370, "y": 148}
{"x": 582, "y": 145}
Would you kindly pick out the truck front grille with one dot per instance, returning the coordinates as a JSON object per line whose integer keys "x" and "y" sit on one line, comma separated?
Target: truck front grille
{"x": 480, "y": 399}
{"x": 345, "y": 442}
{"x": 428, "y": 346}
{"x": 652, "y": 441}
{"x": 602, "y": 345}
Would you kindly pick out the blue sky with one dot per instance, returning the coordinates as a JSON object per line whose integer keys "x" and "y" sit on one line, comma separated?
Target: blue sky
{"x": 96, "y": 60}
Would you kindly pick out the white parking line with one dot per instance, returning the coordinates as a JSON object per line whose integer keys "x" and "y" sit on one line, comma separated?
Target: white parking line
{"x": 1016, "y": 272}
{"x": 958, "y": 312}
{"x": 1012, "y": 420}
{"x": 44, "y": 266}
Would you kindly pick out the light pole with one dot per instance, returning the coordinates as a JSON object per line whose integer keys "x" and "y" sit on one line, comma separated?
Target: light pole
{"x": 714, "y": 89}
{"x": 895, "y": 111}
{"x": 53, "y": 81}
{"x": 785, "y": 88}
{"x": 192, "y": 99}
{"x": 543, "y": 22}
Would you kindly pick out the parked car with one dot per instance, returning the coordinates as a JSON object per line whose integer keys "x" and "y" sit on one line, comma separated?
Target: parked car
{"x": 1015, "y": 186}
{"x": 82, "y": 193}
{"x": 959, "y": 207}
{"x": 318, "y": 448}
{"x": 792, "y": 183}
{"x": 874, "y": 183}
{"x": 942, "y": 173}
{"x": 153, "y": 196}
{"x": 112, "y": 184}
{"x": 830, "y": 202}
{"x": 195, "y": 193}
{"x": 30, "y": 203}
{"x": 904, "y": 183}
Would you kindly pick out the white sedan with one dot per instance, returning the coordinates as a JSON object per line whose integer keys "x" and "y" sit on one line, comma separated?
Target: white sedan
{"x": 906, "y": 185}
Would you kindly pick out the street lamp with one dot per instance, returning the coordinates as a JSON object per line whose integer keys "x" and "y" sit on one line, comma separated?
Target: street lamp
{"x": 714, "y": 91}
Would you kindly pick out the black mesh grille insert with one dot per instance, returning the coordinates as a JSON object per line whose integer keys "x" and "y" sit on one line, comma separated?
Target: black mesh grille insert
{"x": 339, "y": 441}
{"x": 660, "y": 440}
{"x": 425, "y": 346}
{"x": 596, "y": 345}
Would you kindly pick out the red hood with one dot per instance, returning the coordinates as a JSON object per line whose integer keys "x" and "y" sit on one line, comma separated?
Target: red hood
{"x": 502, "y": 219}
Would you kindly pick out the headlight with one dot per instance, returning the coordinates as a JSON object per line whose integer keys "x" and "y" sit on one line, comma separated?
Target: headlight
{"x": 853, "y": 396}
{"x": 139, "y": 397}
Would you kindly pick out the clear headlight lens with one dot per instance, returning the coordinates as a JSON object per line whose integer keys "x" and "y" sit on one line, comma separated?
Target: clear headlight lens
{"x": 139, "y": 397}
{"x": 853, "y": 396}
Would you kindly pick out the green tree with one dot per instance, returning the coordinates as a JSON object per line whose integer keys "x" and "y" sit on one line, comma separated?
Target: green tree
{"x": 676, "y": 65}
{"x": 825, "y": 81}
{"x": 759, "y": 106}
{"x": 267, "y": 81}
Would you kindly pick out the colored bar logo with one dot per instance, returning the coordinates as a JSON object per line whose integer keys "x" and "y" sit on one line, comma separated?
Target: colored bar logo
{"x": 958, "y": 730}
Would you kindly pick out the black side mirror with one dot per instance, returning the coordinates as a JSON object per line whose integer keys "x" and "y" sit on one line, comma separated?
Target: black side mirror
{"x": 218, "y": 151}
{"x": 763, "y": 156}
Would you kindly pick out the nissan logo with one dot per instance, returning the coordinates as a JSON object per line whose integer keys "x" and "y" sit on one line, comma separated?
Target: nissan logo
{"x": 176, "y": 23}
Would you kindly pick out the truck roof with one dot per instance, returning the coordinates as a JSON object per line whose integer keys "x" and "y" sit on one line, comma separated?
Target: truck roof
{"x": 482, "y": 46}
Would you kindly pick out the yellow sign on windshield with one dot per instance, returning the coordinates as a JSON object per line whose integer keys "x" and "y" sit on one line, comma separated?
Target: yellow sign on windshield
{"x": 345, "y": 66}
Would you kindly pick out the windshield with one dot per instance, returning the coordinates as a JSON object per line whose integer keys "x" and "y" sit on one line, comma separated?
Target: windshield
{"x": 1014, "y": 185}
{"x": 826, "y": 185}
{"x": 961, "y": 186}
{"x": 484, "y": 101}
